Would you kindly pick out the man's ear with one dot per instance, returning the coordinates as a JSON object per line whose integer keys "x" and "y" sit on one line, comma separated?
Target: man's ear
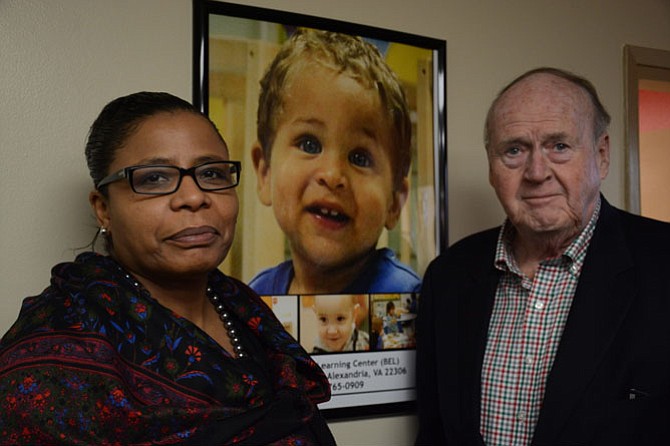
{"x": 399, "y": 198}
{"x": 100, "y": 209}
{"x": 263, "y": 174}
{"x": 603, "y": 155}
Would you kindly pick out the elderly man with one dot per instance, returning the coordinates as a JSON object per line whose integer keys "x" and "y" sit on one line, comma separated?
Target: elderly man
{"x": 553, "y": 329}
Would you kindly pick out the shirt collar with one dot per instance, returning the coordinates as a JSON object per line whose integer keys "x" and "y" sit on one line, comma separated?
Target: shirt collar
{"x": 573, "y": 255}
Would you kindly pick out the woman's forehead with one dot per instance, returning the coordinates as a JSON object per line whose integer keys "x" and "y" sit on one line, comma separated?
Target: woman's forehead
{"x": 172, "y": 138}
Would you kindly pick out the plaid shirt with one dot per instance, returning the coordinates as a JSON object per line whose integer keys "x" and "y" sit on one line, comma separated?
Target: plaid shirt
{"x": 524, "y": 331}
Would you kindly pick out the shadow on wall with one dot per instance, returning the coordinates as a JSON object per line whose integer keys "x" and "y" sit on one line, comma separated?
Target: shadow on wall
{"x": 69, "y": 207}
{"x": 479, "y": 210}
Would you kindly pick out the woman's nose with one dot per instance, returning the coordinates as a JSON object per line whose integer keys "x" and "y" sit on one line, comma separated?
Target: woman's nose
{"x": 189, "y": 195}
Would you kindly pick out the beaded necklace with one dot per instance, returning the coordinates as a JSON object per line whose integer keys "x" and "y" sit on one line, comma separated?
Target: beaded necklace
{"x": 228, "y": 324}
{"x": 224, "y": 315}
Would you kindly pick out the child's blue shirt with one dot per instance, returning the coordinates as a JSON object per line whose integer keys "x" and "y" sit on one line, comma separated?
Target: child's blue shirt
{"x": 385, "y": 274}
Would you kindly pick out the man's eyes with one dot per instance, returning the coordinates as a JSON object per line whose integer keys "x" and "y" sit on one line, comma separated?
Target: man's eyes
{"x": 512, "y": 151}
{"x": 516, "y": 150}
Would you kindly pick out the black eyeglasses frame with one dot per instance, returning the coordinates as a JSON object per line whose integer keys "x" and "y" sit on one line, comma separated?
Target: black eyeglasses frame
{"x": 127, "y": 172}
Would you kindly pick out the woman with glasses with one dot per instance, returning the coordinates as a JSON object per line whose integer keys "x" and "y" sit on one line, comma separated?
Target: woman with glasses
{"x": 152, "y": 343}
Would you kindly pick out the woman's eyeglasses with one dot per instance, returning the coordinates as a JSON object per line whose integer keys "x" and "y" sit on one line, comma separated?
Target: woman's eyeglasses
{"x": 166, "y": 179}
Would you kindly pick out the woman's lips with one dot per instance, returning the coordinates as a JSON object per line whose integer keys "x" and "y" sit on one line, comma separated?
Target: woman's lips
{"x": 201, "y": 235}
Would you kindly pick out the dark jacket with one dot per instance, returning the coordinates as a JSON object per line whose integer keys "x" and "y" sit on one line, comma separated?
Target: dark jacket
{"x": 610, "y": 380}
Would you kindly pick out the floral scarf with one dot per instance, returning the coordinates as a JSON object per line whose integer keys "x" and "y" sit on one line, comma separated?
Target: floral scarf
{"x": 94, "y": 359}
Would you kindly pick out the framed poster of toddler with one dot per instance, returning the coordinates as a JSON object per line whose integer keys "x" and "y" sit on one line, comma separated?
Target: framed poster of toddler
{"x": 340, "y": 129}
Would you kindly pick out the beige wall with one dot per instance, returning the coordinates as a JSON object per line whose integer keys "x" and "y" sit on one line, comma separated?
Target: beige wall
{"x": 62, "y": 60}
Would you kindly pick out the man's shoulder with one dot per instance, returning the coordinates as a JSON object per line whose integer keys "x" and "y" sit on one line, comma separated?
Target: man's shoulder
{"x": 483, "y": 238}
{"x": 638, "y": 229}
{"x": 644, "y": 226}
{"x": 626, "y": 239}
{"x": 474, "y": 252}
{"x": 474, "y": 246}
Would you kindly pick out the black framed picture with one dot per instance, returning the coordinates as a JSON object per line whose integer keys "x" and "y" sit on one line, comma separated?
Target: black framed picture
{"x": 341, "y": 131}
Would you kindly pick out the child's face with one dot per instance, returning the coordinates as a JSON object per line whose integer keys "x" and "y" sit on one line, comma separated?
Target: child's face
{"x": 335, "y": 317}
{"x": 330, "y": 176}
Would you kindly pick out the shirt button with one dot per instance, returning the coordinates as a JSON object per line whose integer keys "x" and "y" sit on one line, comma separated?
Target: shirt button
{"x": 538, "y": 305}
{"x": 521, "y": 416}
{"x": 528, "y": 360}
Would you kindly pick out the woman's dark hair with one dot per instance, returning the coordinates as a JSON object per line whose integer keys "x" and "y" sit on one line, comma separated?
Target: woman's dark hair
{"x": 119, "y": 119}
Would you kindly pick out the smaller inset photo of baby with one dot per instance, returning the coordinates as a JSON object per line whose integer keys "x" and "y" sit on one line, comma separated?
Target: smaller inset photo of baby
{"x": 286, "y": 310}
{"x": 393, "y": 321}
{"x": 334, "y": 323}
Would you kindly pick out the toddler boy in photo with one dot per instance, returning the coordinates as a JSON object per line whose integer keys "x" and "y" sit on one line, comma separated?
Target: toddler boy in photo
{"x": 336, "y": 323}
{"x": 332, "y": 159}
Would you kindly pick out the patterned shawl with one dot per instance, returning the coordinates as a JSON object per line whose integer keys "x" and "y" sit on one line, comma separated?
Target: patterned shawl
{"x": 95, "y": 359}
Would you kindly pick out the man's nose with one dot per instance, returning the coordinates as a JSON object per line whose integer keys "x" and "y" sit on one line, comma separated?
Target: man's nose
{"x": 537, "y": 166}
